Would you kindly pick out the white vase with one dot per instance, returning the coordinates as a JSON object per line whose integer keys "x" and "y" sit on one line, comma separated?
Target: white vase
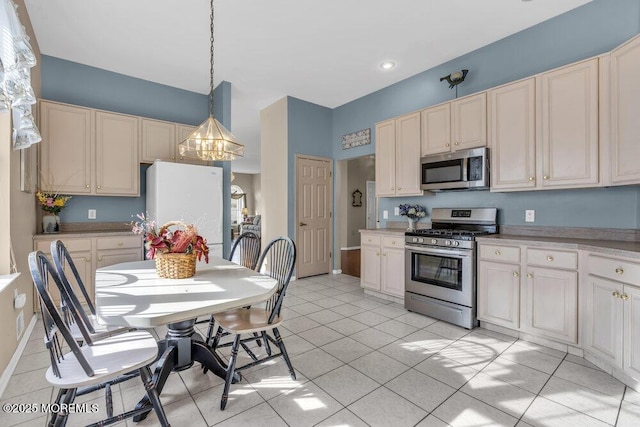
{"x": 412, "y": 224}
{"x": 50, "y": 223}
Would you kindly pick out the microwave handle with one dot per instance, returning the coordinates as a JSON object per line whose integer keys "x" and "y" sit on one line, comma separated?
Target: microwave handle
{"x": 465, "y": 169}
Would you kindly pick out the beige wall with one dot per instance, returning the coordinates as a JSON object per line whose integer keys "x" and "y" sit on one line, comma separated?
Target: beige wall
{"x": 21, "y": 220}
{"x": 257, "y": 195}
{"x": 360, "y": 171}
{"x": 273, "y": 180}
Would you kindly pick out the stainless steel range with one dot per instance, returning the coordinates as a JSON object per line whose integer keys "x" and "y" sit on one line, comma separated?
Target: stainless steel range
{"x": 440, "y": 264}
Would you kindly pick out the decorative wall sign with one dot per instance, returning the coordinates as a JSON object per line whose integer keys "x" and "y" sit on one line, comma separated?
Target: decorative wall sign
{"x": 356, "y": 198}
{"x": 356, "y": 139}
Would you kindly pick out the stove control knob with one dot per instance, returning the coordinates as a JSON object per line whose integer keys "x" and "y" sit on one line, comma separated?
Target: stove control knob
{"x": 447, "y": 242}
{"x": 420, "y": 240}
{"x": 414, "y": 239}
{"x": 455, "y": 243}
{"x": 434, "y": 241}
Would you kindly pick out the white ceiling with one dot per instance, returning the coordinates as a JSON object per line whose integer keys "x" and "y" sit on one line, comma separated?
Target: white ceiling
{"x": 323, "y": 51}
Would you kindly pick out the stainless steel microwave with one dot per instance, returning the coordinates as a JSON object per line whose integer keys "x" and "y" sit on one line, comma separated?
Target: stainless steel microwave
{"x": 464, "y": 169}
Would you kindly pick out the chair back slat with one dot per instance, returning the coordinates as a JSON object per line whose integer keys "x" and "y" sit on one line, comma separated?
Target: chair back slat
{"x": 41, "y": 272}
{"x": 73, "y": 310}
{"x": 247, "y": 247}
{"x": 278, "y": 260}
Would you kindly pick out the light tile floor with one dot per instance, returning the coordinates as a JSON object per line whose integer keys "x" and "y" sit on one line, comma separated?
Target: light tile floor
{"x": 363, "y": 361}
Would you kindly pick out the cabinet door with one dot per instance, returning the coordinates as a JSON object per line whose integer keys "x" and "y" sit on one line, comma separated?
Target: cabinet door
{"x": 392, "y": 273}
{"x": 551, "y": 303}
{"x": 625, "y": 110}
{"x": 115, "y": 256}
{"x": 370, "y": 262}
{"x": 182, "y": 133}
{"x": 469, "y": 122}
{"x": 632, "y": 335}
{"x": 499, "y": 293}
{"x": 65, "y": 150}
{"x": 436, "y": 129}
{"x": 158, "y": 141}
{"x": 386, "y": 158}
{"x": 603, "y": 319}
{"x": 570, "y": 126}
{"x": 117, "y": 168}
{"x": 512, "y": 136}
{"x": 408, "y": 155}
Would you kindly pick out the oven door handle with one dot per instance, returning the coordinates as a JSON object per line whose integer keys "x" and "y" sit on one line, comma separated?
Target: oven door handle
{"x": 460, "y": 253}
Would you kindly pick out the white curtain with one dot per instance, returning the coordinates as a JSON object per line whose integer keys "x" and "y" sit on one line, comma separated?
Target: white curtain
{"x": 16, "y": 60}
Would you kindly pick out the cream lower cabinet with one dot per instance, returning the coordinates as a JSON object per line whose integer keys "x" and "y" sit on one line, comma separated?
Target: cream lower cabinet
{"x": 382, "y": 263}
{"x": 398, "y": 156}
{"x": 89, "y": 253}
{"x": 612, "y": 312}
{"x": 531, "y": 289}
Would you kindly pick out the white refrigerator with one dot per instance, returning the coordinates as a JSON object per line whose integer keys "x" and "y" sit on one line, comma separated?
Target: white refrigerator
{"x": 188, "y": 193}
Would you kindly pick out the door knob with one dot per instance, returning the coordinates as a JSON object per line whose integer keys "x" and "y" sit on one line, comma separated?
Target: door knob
{"x": 516, "y": 274}
{"x": 530, "y": 275}
{"x": 624, "y": 297}
{"x": 619, "y": 271}
{"x": 302, "y": 224}
{"x": 550, "y": 258}
{"x": 457, "y": 144}
{"x": 616, "y": 294}
{"x": 545, "y": 177}
{"x": 531, "y": 178}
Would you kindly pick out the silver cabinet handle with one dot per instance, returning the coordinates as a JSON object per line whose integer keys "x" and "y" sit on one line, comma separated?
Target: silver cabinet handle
{"x": 516, "y": 274}
{"x": 619, "y": 270}
{"x": 302, "y": 224}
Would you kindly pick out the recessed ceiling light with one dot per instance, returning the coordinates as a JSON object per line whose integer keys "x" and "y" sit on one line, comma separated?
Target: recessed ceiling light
{"x": 387, "y": 65}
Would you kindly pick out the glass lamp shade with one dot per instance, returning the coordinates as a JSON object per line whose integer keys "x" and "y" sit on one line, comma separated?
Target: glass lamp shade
{"x": 211, "y": 141}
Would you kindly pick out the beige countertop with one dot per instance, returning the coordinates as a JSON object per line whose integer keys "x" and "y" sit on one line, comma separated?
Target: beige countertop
{"x": 387, "y": 231}
{"x": 610, "y": 247}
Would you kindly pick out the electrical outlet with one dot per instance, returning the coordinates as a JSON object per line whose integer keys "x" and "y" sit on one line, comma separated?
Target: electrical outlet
{"x": 396, "y": 211}
{"x": 385, "y": 214}
{"x": 92, "y": 214}
{"x": 529, "y": 215}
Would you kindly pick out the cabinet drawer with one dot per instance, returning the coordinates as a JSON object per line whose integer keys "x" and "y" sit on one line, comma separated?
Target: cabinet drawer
{"x": 618, "y": 270}
{"x": 118, "y": 242}
{"x": 393, "y": 242}
{"x": 73, "y": 245}
{"x": 500, "y": 253}
{"x": 370, "y": 239}
{"x": 552, "y": 258}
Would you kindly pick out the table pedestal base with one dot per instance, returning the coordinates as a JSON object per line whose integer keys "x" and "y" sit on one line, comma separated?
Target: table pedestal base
{"x": 182, "y": 347}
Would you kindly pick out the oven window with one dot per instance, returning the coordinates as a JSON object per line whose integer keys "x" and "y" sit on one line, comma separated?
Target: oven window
{"x": 448, "y": 171}
{"x": 437, "y": 270}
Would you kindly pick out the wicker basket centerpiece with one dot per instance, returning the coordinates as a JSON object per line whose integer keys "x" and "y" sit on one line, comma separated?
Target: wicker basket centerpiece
{"x": 175, "y": 251}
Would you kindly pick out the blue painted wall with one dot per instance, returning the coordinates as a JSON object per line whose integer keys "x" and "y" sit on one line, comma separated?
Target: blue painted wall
{"x": 222, "y": 112}
{"x": 581, "y": 33}
{"x": 73, "y": 83}
{"x": 309, "y": 130}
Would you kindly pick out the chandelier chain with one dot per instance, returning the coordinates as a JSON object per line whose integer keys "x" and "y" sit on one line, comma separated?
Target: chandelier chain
{"x": 211, "y": 69}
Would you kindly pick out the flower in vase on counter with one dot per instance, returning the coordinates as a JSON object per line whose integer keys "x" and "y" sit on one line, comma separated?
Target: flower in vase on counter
{"x": 163, "y": 240}
{"x": 52, "y": 202}
{"x": 412, "y": 211}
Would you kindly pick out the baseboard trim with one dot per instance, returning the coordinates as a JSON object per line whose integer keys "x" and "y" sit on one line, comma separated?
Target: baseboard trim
{"x": 6, "y": 375}
{"x": 339, "y": 271}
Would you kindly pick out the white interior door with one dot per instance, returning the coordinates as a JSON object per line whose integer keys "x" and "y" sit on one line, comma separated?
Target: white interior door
{"x": 313, "y": 215}
{"x": 371, "y": 204}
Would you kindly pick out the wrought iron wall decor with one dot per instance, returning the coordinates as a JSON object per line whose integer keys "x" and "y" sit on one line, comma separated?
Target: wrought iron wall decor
{"x": 356, "y": 198}
{"x": 356, "y": 139}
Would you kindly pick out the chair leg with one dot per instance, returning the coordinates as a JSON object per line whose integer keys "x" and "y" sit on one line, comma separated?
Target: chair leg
{"x": 154, "y": 397}
{"x": 255, "y": 334}
{"x": 210, "y": 330}
{"x": 216, "y": 339}
{"x": 230, "y": 370}
{"x": 283, "y": 350}
{"x": 60, "y": 419}
{"x": 266, "y": 343}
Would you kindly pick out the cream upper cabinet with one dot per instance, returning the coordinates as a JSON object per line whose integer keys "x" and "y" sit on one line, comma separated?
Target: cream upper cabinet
{"x": 469, "y": 122}
{"x": 512, "y": 136}
{"x": 66, "y": 148}
{"x": 625, "y": 111}
{"x": 158, "y": 141}
{"x": 569, "y": 126}
{"x": 408, "y": 155}
{"x": 182, "y": 133}
{"x": 436, "y": 129}
{"x": 398, "y": 156}
{"x": 117, "y": 166}
{"x": 456, "y": 125}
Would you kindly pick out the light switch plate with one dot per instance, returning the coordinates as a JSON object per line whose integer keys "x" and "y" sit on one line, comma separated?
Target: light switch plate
{"x": 396, "y": 211}
{"x": 385, "y": 214}
{"x": 92, "y": 214}
{"x": 529, "y": 215}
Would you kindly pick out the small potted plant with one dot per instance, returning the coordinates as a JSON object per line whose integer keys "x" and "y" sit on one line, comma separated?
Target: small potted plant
{"x": 175, "y": 251}
{"x": 51, "y": 204}
{"x": 413, "y": 214}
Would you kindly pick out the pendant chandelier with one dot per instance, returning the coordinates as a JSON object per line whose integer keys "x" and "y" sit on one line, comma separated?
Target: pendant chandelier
{"x": 211, "y": 140}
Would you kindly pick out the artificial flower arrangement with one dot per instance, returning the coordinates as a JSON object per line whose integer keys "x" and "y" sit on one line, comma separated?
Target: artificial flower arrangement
{"x": 162, "y": 240}
{"x": 412, "y": 211}
{"x": 52, "y": 202}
